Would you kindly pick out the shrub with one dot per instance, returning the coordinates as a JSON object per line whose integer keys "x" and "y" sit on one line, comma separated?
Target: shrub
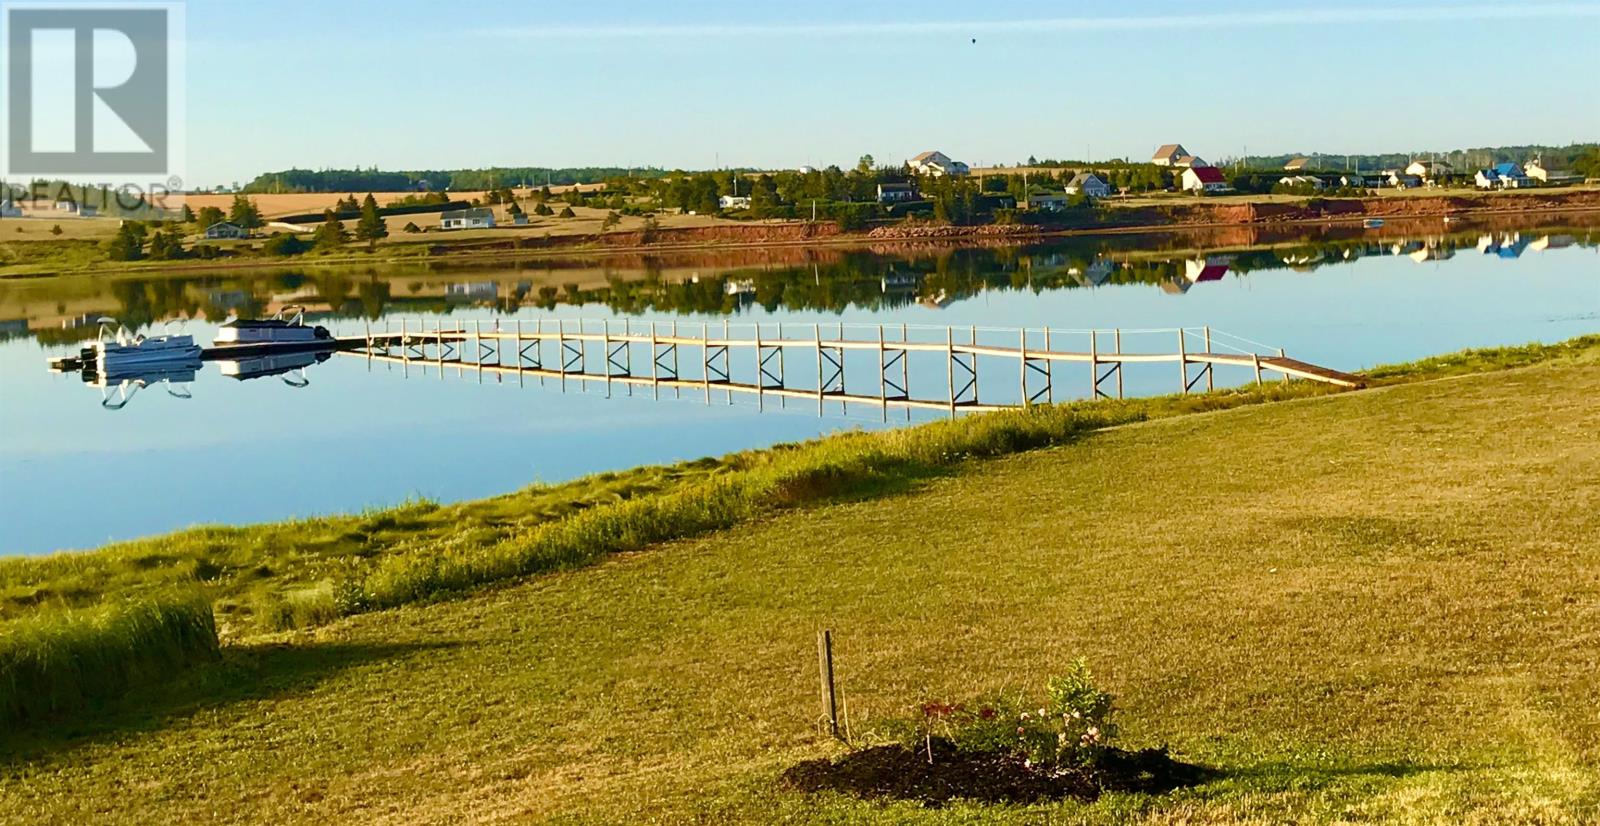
{"x": 285, "y": 245}
{"x": 59, "y": 661}
{"x": 566, "y": 212}
{"x": 1072, "y": 729}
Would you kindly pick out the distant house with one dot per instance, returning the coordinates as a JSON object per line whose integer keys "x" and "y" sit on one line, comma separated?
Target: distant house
{"x": 1169, "y": 154}
{"x": 1502, "y": 176}
{"x": 1204, "y": 180}
{"x": 806, "y": 170}
{"x": 1302, "y": 180}
{"x": 86, "y": 211}
{"x": 1535, "y": 169}
{"x": 1403, "y": 180}
{"x": 519, "y": 219}
{"x": 9, "y": 209}
{"x": 734, "y": 202}
{"x": 223, "y": 229}
{"x": 1430, "y": 170}
{"x": 1088, "y": 184}
{"x": 1297, "y": 164}
{"x": 476, "y": 218}
{"x": 66, "y": 206}
{"x": 1047, "y": 201}
{"x": 1354, "y": 181}
{"x": 896, "y": 193}
{"x": 936, "y": 164}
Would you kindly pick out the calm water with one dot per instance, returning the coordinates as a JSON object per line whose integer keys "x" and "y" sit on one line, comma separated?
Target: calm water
{"x": 344, "y": 435}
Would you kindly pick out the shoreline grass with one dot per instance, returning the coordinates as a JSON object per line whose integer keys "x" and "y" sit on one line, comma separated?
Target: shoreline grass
{"x": 57, "y": 663}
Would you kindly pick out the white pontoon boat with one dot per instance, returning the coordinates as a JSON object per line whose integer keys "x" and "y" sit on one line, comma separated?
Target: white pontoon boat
{"x": 278, "y": 329}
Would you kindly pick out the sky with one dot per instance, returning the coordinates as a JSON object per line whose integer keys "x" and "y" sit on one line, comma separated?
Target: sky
{"x": 712, "y": 83}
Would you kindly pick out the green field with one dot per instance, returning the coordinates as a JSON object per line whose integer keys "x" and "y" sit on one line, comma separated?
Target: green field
{"x": 1373, "y": 606}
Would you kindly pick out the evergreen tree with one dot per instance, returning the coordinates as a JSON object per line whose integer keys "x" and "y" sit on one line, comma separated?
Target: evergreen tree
{"x": 188, "y": 215}
{"x": 371, "y": 226}
{"x": 411, "y": 226}
{"x": 244, "y": 213}
{"x": 127, "y": 244}
{"x": 209, "y": 215}
{"x": 566, "y": 212}
{"x": 331, "y": 234}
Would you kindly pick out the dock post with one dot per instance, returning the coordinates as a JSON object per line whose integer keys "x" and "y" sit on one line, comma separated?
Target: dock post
{"x": 405, "y": 351}
{"x": 561, "y": 351}
{"x": 1255, "y": 360}
{"x": 519, "y": 352}
{"x": 477, "y": 346}
{"x": 783, "y": 381}
{"x": 761, "y": 380}
{"x": 438, "y": 332}
{"x": 974, "y": 334}
{"x": 905, "y": 367}
{"x": 705, "y": 362}
{"x": 950, "y": 365}
{"x": 605, "y": 348}
{"x": 816, "y": 331}
{"x": 1116, "y": 341}
{"x": 1183, "y": 363}
{"x": 883, "y": 380}
{"x": 1211, "y": 366}
{"x": 369, "y": 343}
{"x": 1285, "y": 372}
{"x": 1022, "y": 366}
{"x": 1050, "y": 366}
{"x": 655, "y": 382}
{"x": 1094, "y": 365}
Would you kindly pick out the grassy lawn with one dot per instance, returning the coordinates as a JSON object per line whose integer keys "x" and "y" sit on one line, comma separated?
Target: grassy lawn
{"x": 1369, "y": 606}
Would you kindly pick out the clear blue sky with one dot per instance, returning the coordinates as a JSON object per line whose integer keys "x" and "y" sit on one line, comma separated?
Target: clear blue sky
{"x": 404, "y": 84}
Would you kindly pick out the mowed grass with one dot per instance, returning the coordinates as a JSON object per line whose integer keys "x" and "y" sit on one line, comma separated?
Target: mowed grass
{"x": 1379, "y": 606}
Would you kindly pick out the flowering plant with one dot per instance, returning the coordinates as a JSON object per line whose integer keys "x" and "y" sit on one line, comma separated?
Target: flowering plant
{"x": 1073, "y": 728}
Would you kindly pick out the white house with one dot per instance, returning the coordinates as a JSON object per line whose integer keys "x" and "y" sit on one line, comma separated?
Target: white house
{"x": 896, "y": 193}
{"x": 1354, "y": 181}
{"x": 1536, "y": 170}
{"x": 1302, "y": 180}
{"x": 936, "y": 164}
{"x": 476, "y": 218}
{"x": 1501, "y": 176}
{"x": 223, "y": 229}
{"x": 734, "y": 202}
{"x": 66, "y": 206}
{"x": 1204, "y": 180}
{"x": 86, "y": 211}
{"x": 1429, "y": 170}
{"x": 1296, "y": 164}
{"x": 1168, "y": 154}
{"x": 806, "y": 169}
{"x": 1403, "y": 180}
{"x": 1088, "y": 184}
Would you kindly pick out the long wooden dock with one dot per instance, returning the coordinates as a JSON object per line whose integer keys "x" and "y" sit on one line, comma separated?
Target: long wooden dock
{"x": 1018, "y": 367}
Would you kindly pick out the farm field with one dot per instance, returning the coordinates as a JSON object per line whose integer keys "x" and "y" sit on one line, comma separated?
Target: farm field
{"x": 1374, "y": 606}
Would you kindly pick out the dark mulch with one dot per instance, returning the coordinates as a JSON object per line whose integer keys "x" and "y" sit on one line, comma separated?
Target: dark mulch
{"x": 905, "y": 774}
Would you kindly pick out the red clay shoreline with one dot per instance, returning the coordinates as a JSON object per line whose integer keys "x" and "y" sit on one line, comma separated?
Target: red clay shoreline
{"x": 1163, "y": 219}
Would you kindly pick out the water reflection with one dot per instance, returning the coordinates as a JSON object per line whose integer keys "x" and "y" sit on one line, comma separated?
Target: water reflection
{"x": 1341, "y": 297}
{"x": 798, "y": 280}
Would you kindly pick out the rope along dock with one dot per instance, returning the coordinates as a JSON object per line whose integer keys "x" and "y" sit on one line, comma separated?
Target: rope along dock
{"x": 1012, "y": 367}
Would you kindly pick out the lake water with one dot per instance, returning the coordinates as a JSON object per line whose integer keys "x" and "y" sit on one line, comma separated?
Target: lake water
{"x": 346, "y": 434}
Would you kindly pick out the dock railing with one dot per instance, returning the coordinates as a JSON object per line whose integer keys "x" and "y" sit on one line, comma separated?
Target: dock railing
{"x": 822, "y": 361}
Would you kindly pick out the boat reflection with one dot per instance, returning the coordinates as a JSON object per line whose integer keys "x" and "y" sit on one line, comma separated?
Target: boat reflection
{"x": 290, "y": 366}
{"x": 119, "y": 388}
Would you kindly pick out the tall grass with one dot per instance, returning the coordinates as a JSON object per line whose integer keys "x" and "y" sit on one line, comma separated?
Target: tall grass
{"x": 761, "y": 482}
{"x": 60, "y": 661}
